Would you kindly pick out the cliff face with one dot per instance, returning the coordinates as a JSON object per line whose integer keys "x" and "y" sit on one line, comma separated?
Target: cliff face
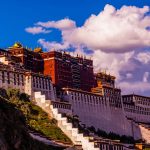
{"x": 13, "y": 130}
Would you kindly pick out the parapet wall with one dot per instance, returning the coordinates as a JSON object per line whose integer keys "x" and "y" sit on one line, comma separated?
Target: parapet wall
{"x": 109, "y": 119}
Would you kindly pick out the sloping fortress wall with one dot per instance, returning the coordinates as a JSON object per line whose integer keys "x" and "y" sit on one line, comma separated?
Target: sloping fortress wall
{"x": 95, "y": 110}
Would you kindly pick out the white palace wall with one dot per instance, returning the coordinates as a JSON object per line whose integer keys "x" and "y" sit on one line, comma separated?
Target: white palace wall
{"x": 26, "y": 82}
{"x": 96, "y": 111}
{"x": 137, "y": 107}
{"x": 12, "y": 80}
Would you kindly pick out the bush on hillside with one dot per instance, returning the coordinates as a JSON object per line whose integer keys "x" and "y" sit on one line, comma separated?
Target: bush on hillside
{"x": 13, "y": 130}
{"x": 34, "y": 116}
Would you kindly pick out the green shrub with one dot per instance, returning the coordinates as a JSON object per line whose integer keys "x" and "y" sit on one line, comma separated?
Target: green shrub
{"x": 34, "y": 116}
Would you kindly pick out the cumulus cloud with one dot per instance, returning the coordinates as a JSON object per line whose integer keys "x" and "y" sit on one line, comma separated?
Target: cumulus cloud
{"x": 36, "y": 30}
{"x": 138, "y": 87}
{"x": 145, "y": 77}
{"x": 113, "y": 30}
{"x": 144, "y": 57}
{"x": 132, "y": 74}
{"x": 113, "y": 63}
{"x": 63, "y": 24}
{"x": 118, "y": 39}
{"x": 129, "y": 75}
{"x": 53, "y": 45}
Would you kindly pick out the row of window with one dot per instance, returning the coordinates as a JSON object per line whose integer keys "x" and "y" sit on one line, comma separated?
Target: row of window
{"x": 18, "y": 79}
{"x": 39, "y": 82}
{"x": 77, "y": 94}
{"x": 110, "y": 91}
{"x": 110, "y": 147}
{"x": 137, "y": 111}
{"x": 144, "y": 102}
{"x": 88, "y": 98}
{"x": 140, "y": 100}
{"x": 90, "y": 101}
{"x": 63, "y": 106}
{"x": 137, "y": 107}
{"x": 115, "y": 102}
{"x": 73, "y": 59}
{"x": 12, "y": 78}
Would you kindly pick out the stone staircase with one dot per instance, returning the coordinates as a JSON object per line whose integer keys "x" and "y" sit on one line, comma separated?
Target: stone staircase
{"x": 145, "y": 131}
{"x": 73, "y": 133}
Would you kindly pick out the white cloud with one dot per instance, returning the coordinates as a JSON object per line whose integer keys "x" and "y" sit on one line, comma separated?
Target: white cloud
{"x": 145, "y": 77}
{"x": 113, "y": 63}
{"x": 138, "y": 87}
{"x": 144, "y": 57}
{"x": 129, "y": 75}
{"x": 113, "y": 30}
{"x": 53, "y": 45}
{"x": 63, "y": 24}
{"x": 36, "y": 30}
{"x": 135, "y": 76}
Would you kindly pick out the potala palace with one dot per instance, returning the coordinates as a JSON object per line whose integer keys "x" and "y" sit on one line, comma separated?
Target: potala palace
{"x": 65, "y": 85}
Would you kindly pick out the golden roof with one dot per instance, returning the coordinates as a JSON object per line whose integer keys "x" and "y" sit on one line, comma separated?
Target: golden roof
{"x": 17, "y": 45}
{"x": 38, "y": 50}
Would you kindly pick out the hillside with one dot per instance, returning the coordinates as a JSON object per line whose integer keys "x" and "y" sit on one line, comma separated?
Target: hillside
{"x": 18, "y": 115}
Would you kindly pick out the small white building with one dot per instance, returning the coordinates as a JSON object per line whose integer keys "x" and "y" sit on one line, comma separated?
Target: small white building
{"x": 14, "y": 76}
{"x": 137, "y": 107}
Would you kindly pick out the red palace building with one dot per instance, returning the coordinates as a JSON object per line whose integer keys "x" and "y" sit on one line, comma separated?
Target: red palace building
{"x": 31, "y": 60}
{"x": 64, "y": 69}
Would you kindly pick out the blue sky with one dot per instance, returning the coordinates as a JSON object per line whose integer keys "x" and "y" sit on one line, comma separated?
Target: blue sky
{"x": 16, "y": 15}
{"x": 113, "y": 32}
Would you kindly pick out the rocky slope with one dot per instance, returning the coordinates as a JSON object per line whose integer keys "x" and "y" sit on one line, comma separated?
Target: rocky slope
{"x": 13, "y": 129}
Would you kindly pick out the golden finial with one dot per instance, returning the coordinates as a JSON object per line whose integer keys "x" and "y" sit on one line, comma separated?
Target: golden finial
{"x": 17, "y": 45}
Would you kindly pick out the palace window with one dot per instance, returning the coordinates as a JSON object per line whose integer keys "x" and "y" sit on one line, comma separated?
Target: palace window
{"x": 40, "y": 85}
{"x": 37, "y": 83}
{"x": 14, "y": 79}
{"x": 33, "y": 81}
{"x": 8, "y": 78}
{"x": 3, "y": 76}
{"x": 22, "y": 80}
{"x": 46, "y": 83}
{"x": 28, "y": 79}
{"x": 18, "y": 79}
{"x": 49, "y": 86}
{"x": 43, "y": 83}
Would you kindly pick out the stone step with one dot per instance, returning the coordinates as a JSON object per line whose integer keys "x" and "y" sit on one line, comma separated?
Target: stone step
{"x": 75, "y": 131}
{"x": 64, "y": 119}
{"x": 69, "y": 126}
{"x": 43, "y": 99}
{"x": 37, "y": 94}
{"x": 63, "y": 123}
{"x": 58, "y": 116}
{"x": 55, "y": 110}
{"x": 68, "y": 132}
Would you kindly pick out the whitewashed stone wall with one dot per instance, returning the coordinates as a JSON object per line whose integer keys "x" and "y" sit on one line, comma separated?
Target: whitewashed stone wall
{"x": 95, "y": 111}
{"x": 137, "y": 107}
{"x": 9, "y": 79}
{"x": 26, "y": 83}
